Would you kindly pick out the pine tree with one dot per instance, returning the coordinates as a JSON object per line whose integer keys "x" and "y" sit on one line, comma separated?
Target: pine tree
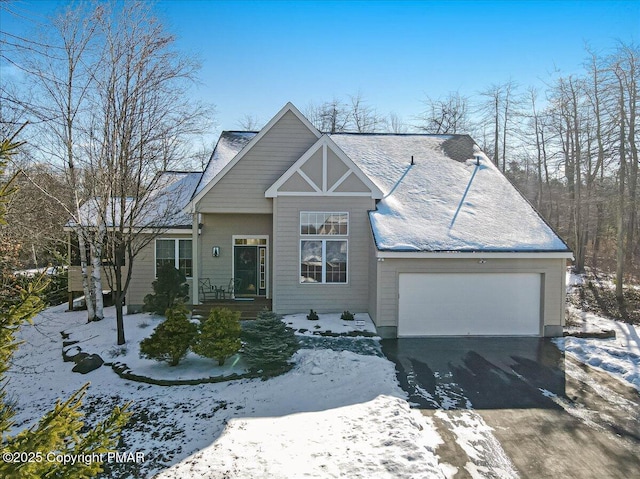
{"x": 60, "y": 430}
{"x": 169, "y": 288}
{"x": 269, "y": 344}
{"x": 219, "y": 335}
{"x": 171, "y": 339}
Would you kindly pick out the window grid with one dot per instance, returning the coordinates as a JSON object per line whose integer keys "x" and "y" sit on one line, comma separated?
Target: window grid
{"x": 323, "y": 261}
{"x": 176, "y": 252}
{"x": 324, "y": 223}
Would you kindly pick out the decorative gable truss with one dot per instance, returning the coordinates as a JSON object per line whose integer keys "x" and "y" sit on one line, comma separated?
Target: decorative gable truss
{"x": 324, "y": 170}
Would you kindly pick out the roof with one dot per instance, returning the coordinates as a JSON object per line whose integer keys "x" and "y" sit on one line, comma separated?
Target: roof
{"x": 163, "y": 209}
{"x": 451, "y": 199}
{"x": 229, "y": 145}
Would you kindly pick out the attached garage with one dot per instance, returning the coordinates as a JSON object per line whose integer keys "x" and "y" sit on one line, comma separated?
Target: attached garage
{"x": 465, "y": 294}
{"x": 476, "y": 304}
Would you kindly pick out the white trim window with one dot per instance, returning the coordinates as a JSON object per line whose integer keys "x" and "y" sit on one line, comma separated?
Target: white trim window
{"x": 323, "y": 260}
{"x": 176, "y": 252}
{"x": 322, "y": 224}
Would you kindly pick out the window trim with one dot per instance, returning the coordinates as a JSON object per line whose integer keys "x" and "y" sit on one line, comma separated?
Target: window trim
{"x": 176, "y": 254}
{"x": 323, "y": 240}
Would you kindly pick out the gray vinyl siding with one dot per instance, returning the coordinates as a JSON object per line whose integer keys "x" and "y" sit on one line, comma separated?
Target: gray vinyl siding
{"x": 218, "y": 230}
{"x": 552, "y": 270}
{"x": 74, "y": 282}
{"x": 294, "y": 297}
{"x": 144, "y": 274}
{"x": 373, "y": 280}
{"x": 242, "y": 189}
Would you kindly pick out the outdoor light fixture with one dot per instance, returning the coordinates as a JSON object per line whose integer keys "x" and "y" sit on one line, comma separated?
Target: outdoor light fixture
{"x": 482, "y": 261}
{"x": 216, "y": 251}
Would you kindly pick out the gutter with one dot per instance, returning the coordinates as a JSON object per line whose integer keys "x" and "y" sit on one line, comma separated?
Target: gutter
{"x": 533, "y": 254}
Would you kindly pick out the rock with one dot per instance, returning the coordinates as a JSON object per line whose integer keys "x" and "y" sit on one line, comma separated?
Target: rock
{"x": 605, "y": 334}
{"x": 88, "y": 364}
{"x": 316, "y": 371}
{"x": 74, "y": 354}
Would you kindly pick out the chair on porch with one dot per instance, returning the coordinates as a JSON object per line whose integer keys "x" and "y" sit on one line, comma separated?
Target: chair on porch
{"x": 234, "y": 285}
{"x": 206, "y": 290}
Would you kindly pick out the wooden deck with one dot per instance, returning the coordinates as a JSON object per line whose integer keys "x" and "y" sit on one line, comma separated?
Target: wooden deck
{"x": 248, "y": 307}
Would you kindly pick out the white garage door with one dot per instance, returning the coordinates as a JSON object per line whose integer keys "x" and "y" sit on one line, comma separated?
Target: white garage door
{"x": 454, "y": 304}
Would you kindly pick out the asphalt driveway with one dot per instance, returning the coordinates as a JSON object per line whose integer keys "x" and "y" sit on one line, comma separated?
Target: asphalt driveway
{"x": 514, "y": 407}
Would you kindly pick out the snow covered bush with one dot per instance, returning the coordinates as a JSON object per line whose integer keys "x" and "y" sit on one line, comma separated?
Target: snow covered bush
{"x": 347, "y": 316}
{"x": 219, "y": 335}
{"x": 269, "y": 344}
{"x": 169, "y": 288}
{"x": 171, "y": 339}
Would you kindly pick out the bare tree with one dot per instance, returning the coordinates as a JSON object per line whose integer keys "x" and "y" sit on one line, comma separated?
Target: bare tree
{"x": 330, "y": 116}
{"x": 395, "y": 124}
{"x": 114, "y": 99}
{"x": 498, "y": 108}
{"x": 141, "y": 100}
{"x": 364, "y": 118}
{"x": 448, "y": 115}
{"x": 58, "y": 68}
{"x": 249, "y": 123}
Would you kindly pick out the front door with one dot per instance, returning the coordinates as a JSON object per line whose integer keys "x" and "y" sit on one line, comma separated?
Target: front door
{"x": 250, "y": 267}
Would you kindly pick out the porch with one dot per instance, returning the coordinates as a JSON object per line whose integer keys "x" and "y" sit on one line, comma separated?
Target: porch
{"x": 248, "y": 307}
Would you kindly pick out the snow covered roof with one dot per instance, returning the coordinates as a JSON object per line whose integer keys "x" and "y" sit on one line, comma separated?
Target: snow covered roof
{"x": 229, "y": 145}
{"x": 171, "y": 191}
{"x": 444, "y": 201}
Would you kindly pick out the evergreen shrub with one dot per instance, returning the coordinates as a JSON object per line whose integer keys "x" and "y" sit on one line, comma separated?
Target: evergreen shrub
{"x": 269, "y": 344}
{"x": 171, "y": 339}
{"x": 219, "y": 335}
{"x": 169, "y": 288}
{"x": 347, "y": 316}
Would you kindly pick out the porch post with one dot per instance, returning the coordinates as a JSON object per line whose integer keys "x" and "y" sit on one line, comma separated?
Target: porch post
{"x": 195, "y": 261}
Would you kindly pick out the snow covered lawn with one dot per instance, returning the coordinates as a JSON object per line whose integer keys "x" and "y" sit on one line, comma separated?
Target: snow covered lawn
{"x": 619, "y": 356}
{"x": 336, "y": 413}
{"x": 330, "y": 323}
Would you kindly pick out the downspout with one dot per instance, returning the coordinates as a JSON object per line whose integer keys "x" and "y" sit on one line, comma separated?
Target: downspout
{"x": 195, "y": 259}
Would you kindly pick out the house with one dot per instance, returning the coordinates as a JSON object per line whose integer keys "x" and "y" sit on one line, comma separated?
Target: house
{"x": 422, "y": 232}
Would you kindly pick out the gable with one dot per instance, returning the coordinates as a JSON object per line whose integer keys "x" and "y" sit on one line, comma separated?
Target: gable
{"x": 324, "y": 170}
{"x": 239, "y": 187}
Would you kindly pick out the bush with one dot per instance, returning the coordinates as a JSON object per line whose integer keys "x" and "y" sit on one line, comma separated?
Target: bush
{"x": 312, "y": 316}
{"x": 170, "y": 288}
{"x": 347, "y": 316}
{"x": 171, "y": 339}
{"x": 219, "y": 335}
{"x": 269, "y": 344}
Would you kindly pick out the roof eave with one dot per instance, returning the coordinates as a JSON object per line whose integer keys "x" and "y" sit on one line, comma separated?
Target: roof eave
{"x": 475, "y": 254}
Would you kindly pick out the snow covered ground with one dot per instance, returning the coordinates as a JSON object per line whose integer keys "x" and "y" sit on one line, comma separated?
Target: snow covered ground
{"x": 336, "y": 413}
{"x": 619, "y": 356}
{"x": 339, "y": 412}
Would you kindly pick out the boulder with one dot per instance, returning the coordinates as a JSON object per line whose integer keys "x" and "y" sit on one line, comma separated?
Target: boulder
{"x": 88, "y": 364}
{"x": 73, "y": 353}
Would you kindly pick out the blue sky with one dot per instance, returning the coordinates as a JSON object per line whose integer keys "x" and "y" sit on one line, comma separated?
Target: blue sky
{"x": 256, "y": 56}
